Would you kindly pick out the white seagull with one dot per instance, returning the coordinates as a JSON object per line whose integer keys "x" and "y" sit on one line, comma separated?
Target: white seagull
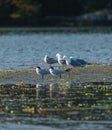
{"x": 42, "y": 72}
{"x": 50, "y": 60}
{"x": 61, "y": 61}
{"x": 58, "y": 72}
{"x": 76, "y": 62}
{"x": 73, "y": 62}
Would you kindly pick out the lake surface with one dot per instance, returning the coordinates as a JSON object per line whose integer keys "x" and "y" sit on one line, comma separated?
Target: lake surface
{"x": 24, "y": 48}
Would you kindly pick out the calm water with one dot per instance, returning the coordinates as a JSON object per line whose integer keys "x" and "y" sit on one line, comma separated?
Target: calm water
{"x": 89, "y": 113}
{"x": 60, "y": 125}
{"x": 25, "y": 48}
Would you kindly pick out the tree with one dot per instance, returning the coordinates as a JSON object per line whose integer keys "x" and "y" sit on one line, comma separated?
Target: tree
{"x": 23, "y": 8}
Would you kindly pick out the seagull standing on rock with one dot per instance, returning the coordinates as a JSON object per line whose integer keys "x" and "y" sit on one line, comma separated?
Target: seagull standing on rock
{"x": 42, "y": 72}
{"x": 76, "y": 62}
{"x": 50, "y": 60}
{"x": 58, "y": 72}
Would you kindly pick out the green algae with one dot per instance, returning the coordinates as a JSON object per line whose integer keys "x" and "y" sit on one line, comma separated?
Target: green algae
{"x": 60, "y": 98}
{"x": 96, "y": 73}
{"x": 85, "y": 93}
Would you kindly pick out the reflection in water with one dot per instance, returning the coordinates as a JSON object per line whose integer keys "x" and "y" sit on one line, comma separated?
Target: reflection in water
{"x": 53, "y": 90}
{"x": 68, "y": 101}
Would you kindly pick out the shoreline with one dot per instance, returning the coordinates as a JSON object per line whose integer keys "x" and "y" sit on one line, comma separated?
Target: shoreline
{"x": 93, "y": 73}
{"x": 53, "y": 97}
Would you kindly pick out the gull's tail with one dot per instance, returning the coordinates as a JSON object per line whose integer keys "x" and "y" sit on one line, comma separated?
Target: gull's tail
{"x": 69, "y": 69}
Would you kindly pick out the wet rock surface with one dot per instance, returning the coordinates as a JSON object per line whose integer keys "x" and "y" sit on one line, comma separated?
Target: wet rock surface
{"x": 84, "y": 94}
{"x": 94, "y": 73}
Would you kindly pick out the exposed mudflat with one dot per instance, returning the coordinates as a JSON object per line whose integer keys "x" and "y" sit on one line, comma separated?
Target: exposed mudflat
{"x": 94, "y": 73}
{"x": 83, "y": 94}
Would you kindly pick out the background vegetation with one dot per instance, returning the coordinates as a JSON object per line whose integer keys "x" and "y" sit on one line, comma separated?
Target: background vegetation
{"x": 35, "y": 12}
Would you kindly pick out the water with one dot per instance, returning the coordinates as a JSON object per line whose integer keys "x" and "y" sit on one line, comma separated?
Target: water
{"x": 67, "y": 125}
{"x": 25, "y": 48}
{"x": 67, "y": 108}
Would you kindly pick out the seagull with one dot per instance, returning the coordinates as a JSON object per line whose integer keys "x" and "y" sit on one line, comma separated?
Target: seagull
{"x": 76, "y": 62}
{"x": 73, "y": 62}
{"x": 42, "y": 72}
{"x": 58, "y": 72}
{"x": 83, "y": 62}
{"x": 61, "y": 61}
{"x": 50, "y": 60}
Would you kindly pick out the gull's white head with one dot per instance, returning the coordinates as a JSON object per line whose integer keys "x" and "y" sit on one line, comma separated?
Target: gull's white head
{"x": 71, "y": 57}
{"x": 58, "y": 55}
{"x": 46, "y": 56}
{"x": 38, "y": 68}
{"x": 64, "y": 57}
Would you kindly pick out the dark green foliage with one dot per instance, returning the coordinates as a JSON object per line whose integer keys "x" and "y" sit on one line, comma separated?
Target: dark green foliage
{"x": 23, "y": 9}
{"x": 30, "y": 11}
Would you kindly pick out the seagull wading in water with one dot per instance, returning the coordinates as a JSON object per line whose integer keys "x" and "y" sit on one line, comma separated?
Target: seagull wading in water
{"x": 42, "y": 72}
{"x": 50, "y": 60}
{"x": 58, "y": 72}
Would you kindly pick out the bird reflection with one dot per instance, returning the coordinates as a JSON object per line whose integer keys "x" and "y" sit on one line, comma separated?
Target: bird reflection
{"x": 52, "y": 90}
{"x": 44, "y": 90}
